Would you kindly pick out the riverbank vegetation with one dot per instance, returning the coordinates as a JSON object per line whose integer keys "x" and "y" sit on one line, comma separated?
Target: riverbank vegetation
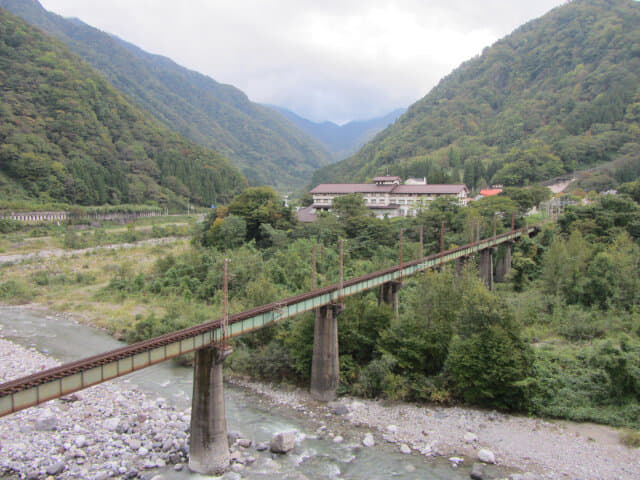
{"x": 560, "y": 339}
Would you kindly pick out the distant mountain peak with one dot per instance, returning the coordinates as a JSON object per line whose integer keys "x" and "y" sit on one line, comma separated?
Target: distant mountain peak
{"x": 341, "y": 140}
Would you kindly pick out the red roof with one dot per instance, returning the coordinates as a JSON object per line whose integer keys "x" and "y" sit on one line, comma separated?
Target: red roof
{"x": 488, "y": 192}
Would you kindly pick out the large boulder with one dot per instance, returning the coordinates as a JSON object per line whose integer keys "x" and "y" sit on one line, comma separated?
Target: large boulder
{"x": 283, "y": 442}
{"x": 368, "y": 440}
{"x": 47, "y": 420}
{"x": 485, "y": 455}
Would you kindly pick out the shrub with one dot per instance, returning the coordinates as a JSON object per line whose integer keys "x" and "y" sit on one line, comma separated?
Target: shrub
{"x": 492, "y": 368}
{"x": 15, "y": 291}
{"x": 371, "y": 381}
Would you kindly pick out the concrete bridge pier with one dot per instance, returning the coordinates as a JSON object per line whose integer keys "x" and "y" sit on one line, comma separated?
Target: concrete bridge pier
{"x": 503, "y": 265}
{"x": 485, "y": 266}
{"x": 460, "y": 263}
{"x": 208, "y": 445}
{"x": 389, "y": 294}
{"x": 325, "y": 364}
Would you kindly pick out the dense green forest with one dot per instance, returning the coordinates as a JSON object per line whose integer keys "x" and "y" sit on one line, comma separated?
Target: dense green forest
{"x": 66, "y": 135}
{"x": 265, "y": 146}
{"x": 561, "y": 338}
{"x": 559, "y": 94}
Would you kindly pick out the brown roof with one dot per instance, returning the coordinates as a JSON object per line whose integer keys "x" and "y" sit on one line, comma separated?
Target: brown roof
{"x": 306, "y": 215}
{"x": 352, "y": 188}
{"x": 401, "y": 189}
{"x": 431, "y": 189}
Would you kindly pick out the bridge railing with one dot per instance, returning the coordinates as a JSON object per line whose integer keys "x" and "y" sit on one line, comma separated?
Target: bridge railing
{"x": 60, "y": 381}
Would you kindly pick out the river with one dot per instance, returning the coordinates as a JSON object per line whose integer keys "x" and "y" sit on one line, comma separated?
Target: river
{"x": 315, "y": 458}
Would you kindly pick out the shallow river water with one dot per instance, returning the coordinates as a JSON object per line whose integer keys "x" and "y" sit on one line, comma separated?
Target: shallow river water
{"x": 314, "y": 457}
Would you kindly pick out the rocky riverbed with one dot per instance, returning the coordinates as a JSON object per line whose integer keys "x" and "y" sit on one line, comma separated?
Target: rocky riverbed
{"x": 93, "y": 434}
{"x": 541, "y": 449}
{"x": 115, "y": 430}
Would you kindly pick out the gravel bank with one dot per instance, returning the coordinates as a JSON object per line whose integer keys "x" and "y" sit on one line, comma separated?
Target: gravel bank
{"x": 121, "y": 432}
{"x": 59, "y": 252}
{"x": 553, "y": 450}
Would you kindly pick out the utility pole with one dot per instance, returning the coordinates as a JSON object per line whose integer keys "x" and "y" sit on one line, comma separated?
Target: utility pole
{"x": 225, "y": 301}
{"x": 313, "y": 268}
{"x": 341, "y": 281}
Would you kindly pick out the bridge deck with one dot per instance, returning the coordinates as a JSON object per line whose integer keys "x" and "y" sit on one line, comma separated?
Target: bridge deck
{"x": 71, "y": 377}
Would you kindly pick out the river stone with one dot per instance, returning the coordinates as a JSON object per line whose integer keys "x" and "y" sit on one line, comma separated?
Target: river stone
{"x": 111, "y": 424}
{"x": 262, "y": 446}
{"x": 80, "y": 441}
{"x": 47, "y": 420}
{"x": 470, "y": 437}
{"x": 477, "y": 471}
{"x": 404, "y": 448}
{"x": 55, "y": 469}
{"x": 244, "y": 442}
{"x": 485, "y": 455}
{"x": 338, "y": 408}
{"x": 368, "y": 440}
{"x": 392, "y": 429}
{"x": 338, "y": 439}
{"x": 529, "y": 476}
{"x": 232, "y": 437}
{"x": 283, "y": 442}
{"x": 134, "y": 444}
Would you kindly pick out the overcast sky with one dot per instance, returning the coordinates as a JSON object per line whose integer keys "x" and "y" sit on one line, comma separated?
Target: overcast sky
{"x": 335, "y": 60}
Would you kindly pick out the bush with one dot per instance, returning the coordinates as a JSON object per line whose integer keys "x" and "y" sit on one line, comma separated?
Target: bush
{"x": 372, "y": 378}
{"x": 15, "y": 291}
{"x": 630, "y": 438}
{"x": 492, "y": 368}
{"x": 8, "y": 225}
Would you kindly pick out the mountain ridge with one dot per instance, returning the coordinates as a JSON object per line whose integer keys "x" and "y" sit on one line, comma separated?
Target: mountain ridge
{"x": 266, "y": 147}
{"x": 342, "y": 140}
{"x": 67, "y": 135}
{"x": 558, "y": 94}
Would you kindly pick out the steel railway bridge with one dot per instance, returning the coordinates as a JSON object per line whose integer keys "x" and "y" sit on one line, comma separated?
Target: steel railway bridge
{"x": 208, "y": 444}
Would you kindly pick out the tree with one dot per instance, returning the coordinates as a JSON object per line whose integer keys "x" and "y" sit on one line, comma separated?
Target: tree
{"x": 226, "y": 233}
{"x": 350, "y": 205}
{"x": 258, "y": 205}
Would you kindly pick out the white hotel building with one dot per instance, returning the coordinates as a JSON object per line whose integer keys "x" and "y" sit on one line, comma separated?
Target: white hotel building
{"x": 387, "y": 196}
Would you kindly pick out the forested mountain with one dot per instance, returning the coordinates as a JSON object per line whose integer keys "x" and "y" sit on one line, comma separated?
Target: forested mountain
{"x": 342, "y": 140}
{"x": 67, "y": 135}
{"x": 558, "y": 94}
{"x": 262, "y": 143}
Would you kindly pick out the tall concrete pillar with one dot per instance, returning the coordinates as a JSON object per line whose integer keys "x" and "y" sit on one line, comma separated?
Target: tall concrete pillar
{"x": 325, "y": 365}
{"x": 389, "y": 294}
{"x": 460, "y": 263}
{"x": 486, "y": 266}
{"x": 208, "y": 445}
{"x": 503, "y": 265}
